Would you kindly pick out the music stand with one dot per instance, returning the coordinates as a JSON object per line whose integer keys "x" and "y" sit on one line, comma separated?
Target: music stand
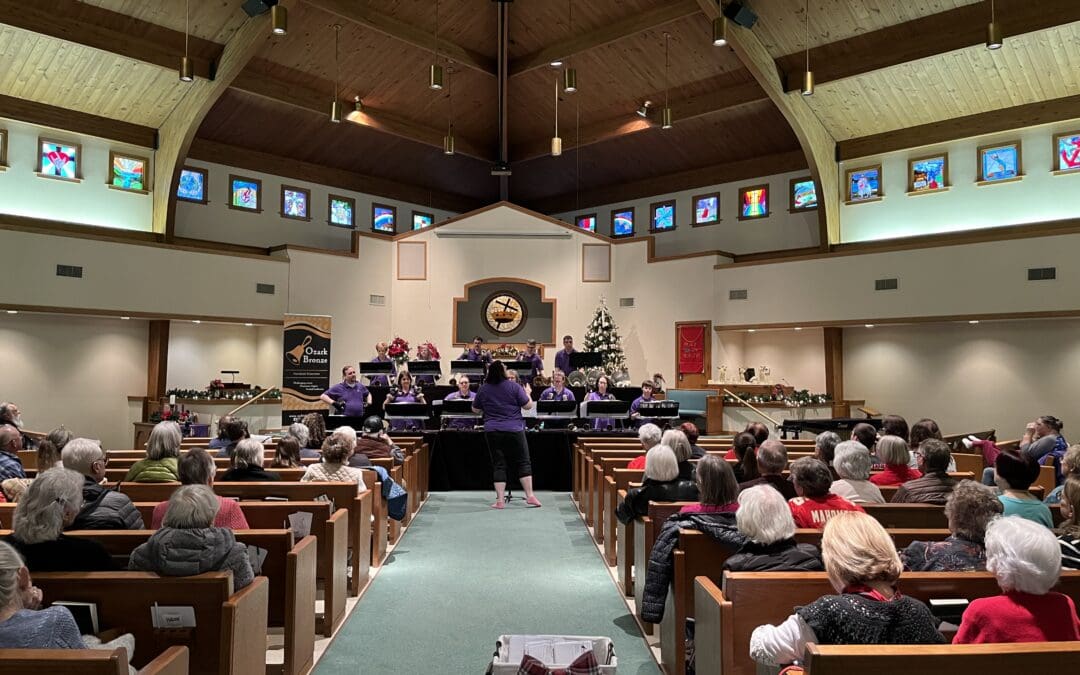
{"x": 522, "y": 368}
{"x": 660, "y": 410}
{"x": 607, "y": 409}
{"x": 466, "y": 367}
{"x": 406, "y": 411}
{"x": 370, "y": 369}
{"x": 546, "y": 410}
{"x": 579, "y": 360}
{"x": 418, "y": 368}
{"x": 457, "y": 409}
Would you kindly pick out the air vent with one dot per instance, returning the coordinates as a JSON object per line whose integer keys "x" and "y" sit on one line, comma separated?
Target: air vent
{"x": 626, "y": 302}
{"x": 267, "y": 289}
{"x": 377, "y": 300}
{"x": 73, "y": 271}
{"x": 886, "y": 284}
{"x": 738, "y": 294}
{"x": 1042, "y": 273}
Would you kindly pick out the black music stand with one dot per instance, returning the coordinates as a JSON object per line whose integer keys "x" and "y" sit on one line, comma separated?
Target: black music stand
{"x": 466, "y": 367}
{"x": 548, "y": 410}
{"x": 407, "y": 411}
{"x": 456, "y": 409}
{"x": 615, "y": 410}
{"x": 666, "y": 410}
{"x": 522, "y": 368}
{"x": 579, "y": 360}
{"x": 370, "y": 369}
{"x": 418, "y": 368}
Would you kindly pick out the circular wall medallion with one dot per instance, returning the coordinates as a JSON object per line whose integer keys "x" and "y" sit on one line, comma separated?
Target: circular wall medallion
{"x": 504, "y": 313}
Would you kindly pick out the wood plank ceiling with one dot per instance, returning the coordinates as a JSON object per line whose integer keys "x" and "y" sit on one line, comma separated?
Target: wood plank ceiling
{"x": 111, "y": 58}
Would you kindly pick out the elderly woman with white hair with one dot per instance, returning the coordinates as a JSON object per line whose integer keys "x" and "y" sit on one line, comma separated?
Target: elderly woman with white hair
{"x": 895, "y": 454}
{"x": 162, "y": 455}
{"x": 852, "y": 462}
{"x": 661, "y": 484}
{"x": 765, "y": 519}
{"x": 678, "y": 442}
{"x": 650, "y": 436}
{"x": 969, "y": 509}
{"x": 189, "y": 544}
{"x": 334, "y": 466}
{"x": 49, "y": 505}
{"x": 1025, "y": 559}
{"x": 23, "y": 624}
{"x": 302, "y": 435}
{"x": 247, "y": 464}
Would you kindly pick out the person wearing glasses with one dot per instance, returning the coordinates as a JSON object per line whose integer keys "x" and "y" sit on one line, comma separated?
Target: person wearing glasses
{"x": 102, "y": 508}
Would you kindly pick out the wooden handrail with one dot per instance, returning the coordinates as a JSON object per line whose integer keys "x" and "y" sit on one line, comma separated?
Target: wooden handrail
{"x": 748, "y": 405}
{"x": 248, "y": 402}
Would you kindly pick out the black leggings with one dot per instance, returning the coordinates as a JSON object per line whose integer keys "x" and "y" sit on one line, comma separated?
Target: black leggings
{"x": 508, "y": 444}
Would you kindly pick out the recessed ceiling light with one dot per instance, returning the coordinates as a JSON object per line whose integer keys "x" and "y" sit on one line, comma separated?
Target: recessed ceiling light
{"x": 125, "y": 318}
{"x": 798, "y": 327}
{"x": 751, "y": 330}
{"x": 249, "y": 324}
{"x": 557, "y": 63}
{"x": 973, "y": 321}
{"x": 869, "y": 325}
{"x": 13, "y": 311}
{"x": 196, "y": 321}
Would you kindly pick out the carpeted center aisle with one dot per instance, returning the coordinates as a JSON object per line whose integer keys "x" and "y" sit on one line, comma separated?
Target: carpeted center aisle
{"x": 464, "y": 574}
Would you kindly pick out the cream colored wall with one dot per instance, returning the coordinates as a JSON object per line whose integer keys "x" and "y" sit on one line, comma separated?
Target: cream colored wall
{"x": 215, "y": 221}
{"x": 794, "y": 357}
{"x": 199, "y": 352}
{"x": 74, "y": 371}
{"x": 949, "y": 280}
{"x": 1040, "y": 196}
{"x": 90, "y": 202}
{"x": 968, "y": 377}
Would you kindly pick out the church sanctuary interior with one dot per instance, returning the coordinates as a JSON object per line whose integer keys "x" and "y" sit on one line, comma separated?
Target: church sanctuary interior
{"x": 513, "y": 336}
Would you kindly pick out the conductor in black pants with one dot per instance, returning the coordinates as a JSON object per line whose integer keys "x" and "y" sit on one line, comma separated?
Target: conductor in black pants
{"x": 501, "y": 402}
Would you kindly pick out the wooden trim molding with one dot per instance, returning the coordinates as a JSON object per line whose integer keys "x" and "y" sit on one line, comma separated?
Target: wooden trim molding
{"x": 66, "y": 119}
{"x": 901, "y": 320}
{"x": 491, "y": 280}
{"x": 152, "y": 316}
{"x": 3, "y": 148}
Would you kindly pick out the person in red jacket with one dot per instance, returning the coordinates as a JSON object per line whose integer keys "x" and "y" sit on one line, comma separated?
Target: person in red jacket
{"x": 1026, "y": 560}
{"x": 894, "y": 451}
{"x": 815, "y": 505}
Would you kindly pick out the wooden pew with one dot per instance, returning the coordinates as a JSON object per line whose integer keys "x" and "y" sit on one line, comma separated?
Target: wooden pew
{"x": 230, "y": 635}
{"x": 620, "y": 479}
{"x": 727, "y": 617}
{"x": 646, "y": 530}
{"x": 940, "y": 659}
{"x": 289, "y": 475}
{"x": 172, "y": 661}
{"x": 894, "y": 516}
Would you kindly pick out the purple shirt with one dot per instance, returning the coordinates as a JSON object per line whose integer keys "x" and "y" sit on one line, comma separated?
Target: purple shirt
{"x": 355, "y": 397}
{"x": 601, "y": 423}
{"x": 424, "y": 380}
{"x": 501, "y": 404}
{"x": 460, "y": 423}
{"x": 473, "y": 355}
{"x": 637, "y": 404}
{"x": 382, "y": 380}
{"x": 562, "y": 359}
{"x": 537, "y": 365}
{"x": 410, "y": 396}
{"x": 550, "y": 394}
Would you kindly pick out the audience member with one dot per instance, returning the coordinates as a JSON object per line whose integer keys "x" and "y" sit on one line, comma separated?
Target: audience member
{"x": 197, "y": 468}
{"x": 222, "y": 439}
{"x": 374, "y": 442}
{"x": 1013, "y": 474}
{"x": 649, "y": 435}
{"x": 189, "y": 544}
{"x": 302, "y": 435}
{"x": 924, "y": 430}
{"x": 162, "y": 455}
{"x": 334, "y": 465}
{"x": 11, "y": 443}
{"x": 23, "y": 624}
{"x": 895, "y": 425}
{"x": 1042, "y": 437}
{"x": 867, "y": 434}
{"x": 50, "y": 504}
{"x": 692, "y": 435}
{"x": 677, "y": 441}
{"x": 759, "y": 431}
{"x": 969, "y": 508}
{"x": 1025, "y": 559}
{"x": 893, "y": 452}
{"x": 764, "y": 517}
{"x": 717, "y": 489}
{"x": 247, "y": 464}
{"x": 863, "y": 567}
{"x": 103, "y": 508}
{"x": 316, "y": 426}
{"x": 935, "y": 484}
{"x": 49, "y": 449}
{"x": 771, "y": 461}
{"x": 1070, "y": 528}
{"x": 815, "y": 505}
{"x": 287, "y": 454}
{"x": 852, "y": 462}
{"x": 661, "y": 484}
{"x": 745, "y": 444}
{"x": 10, "y": 414}
{"x": 825, "y": 446}
{"x": 1070, "y": 466}
{"x": 235, "y": 431}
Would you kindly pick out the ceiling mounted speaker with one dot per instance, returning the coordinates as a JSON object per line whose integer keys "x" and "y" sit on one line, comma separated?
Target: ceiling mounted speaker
{"x": 742, "y": 15}
{"x": 256, "y": 7}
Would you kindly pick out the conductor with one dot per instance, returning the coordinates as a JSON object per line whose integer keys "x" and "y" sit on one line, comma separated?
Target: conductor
{"x": 501, "y": 402}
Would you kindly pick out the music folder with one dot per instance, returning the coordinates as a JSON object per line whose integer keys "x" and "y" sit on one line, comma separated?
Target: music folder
{"x": 376, "y": 367}
{"x": 586, "y": 360}
{"x": 425, "y": 368}
{"x": 556, "y": 408}
{"x": 457, "y": 408}
{"x": 407, "y": 411}
{"x": 466, "y": 367}
{"x": 522, "y": 367}
{"x": 607, "y": 409}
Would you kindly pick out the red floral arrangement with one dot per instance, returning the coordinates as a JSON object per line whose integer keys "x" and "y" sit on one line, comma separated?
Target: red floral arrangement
{"x": 398, "y": 350}
{"x": 216, "y": 384}
{"x": 433, "y": 351}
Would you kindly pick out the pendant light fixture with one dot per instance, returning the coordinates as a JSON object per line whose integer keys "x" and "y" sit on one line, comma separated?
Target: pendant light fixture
{"x": 719, "y": 27}
{"x": 665, "y": 114}
{"x": 556, "y": 142}
{"x": 570, "y": 74}
{"x": 808, "y": 75}
{"x": 187, "y": 71}
{"x": 448, "y": 140}
{"x": 435, "y": 77}
{"x": 335, "y": 105}
{"x": 993, "y": 31}
{"x": 279, "y": 20}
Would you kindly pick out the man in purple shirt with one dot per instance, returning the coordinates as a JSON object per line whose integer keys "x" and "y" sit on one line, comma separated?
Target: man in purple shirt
{"x": 348, "y": 397}
{"x": 646, "y": 397}
{"x": 532, "y": 357}
{"x": 501, "y": 402}
{"x": 562, "y": 358}
{"x": 476, "y": 352}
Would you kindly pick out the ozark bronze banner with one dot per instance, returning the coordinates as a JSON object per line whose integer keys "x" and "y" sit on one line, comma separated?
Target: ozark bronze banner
{"x": 305, "y": 371}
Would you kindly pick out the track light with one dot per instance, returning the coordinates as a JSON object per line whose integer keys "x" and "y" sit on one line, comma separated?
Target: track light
{"x": 187, "y": 71}
{"x": 993, "y": 31}
{"x": 570, "y": 80}
{"x": 358, "y": 105}
{"x": 643, "y": 110}
{"x": 719, "y": 31}
{"x": 279, "y": 20}
{"x": 557, "y": 63}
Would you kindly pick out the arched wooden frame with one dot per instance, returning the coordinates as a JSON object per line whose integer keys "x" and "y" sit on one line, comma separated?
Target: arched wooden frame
{"x": 550, "y": 342}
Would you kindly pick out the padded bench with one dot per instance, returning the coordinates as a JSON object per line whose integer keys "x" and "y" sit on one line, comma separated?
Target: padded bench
{"x": 693, "y": 403}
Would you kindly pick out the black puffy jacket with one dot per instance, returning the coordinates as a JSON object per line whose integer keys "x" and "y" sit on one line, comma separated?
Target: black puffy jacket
{"x": 637, "y": 499}
{"x": 781, "y": 556}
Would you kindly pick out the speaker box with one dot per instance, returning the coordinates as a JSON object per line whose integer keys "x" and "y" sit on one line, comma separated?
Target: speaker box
{"x": 742, "y": 15}
{"x": 256, "y": 7}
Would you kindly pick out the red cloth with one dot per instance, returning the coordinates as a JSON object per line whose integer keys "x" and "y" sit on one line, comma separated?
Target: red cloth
{"x": 730, "y": 454}
{"x": 637, "y": 463}
{"x": 1019, "y": 617}
{"x": 895, "y": 474}
{"x": 229, "y": 515}
{"x": 710, "y": 508}
{"x": 812, "y": 512}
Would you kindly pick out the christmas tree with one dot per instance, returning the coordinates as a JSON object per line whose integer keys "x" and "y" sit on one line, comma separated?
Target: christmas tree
{"x": 603, "y": 336}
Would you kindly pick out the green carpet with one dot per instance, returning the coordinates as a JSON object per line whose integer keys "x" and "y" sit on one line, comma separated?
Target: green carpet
{"x": 464, "y": 574}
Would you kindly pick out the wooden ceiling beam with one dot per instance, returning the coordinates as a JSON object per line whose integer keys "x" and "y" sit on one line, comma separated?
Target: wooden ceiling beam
{"x": 817, "y": 143}
{"x": 380, "y": 120}
{"x": 253, "y": 160}
{"x": 673, "y": 182}
{"x": 98, "y": 28}
{"x": 360, "y": 13}
{"x": 666, "y": 13}
{"x": 922, "y": 38}
{"x": 690, "y": 107}
{"x": 67, "y": 119}
{"x": 1005, "y": 119}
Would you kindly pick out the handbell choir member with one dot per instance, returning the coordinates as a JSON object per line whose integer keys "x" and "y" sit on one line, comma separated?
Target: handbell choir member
{"x": 463, "y": 393}
{"x": 532, "y": 357}
{"x": 647, "y": 388}
{"x": 381, "y": 357}
{"x": 557, "y": 392}
{"x": 476, "y": 352}
{"x": 423, "y": 353}
{"x": 404, "y": 392}
{"x": 562, "y": 357}
{"x": 601, "y": 394}
{"x": 349, "y": 396}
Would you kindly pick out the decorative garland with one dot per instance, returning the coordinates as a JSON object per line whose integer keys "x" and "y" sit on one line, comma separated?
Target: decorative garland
{"x": 798, "y": 398}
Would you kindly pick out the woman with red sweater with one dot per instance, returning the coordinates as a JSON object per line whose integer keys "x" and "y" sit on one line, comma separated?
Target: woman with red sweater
{"x": 893, "y": 451}
{"x": 1026, "y": 560}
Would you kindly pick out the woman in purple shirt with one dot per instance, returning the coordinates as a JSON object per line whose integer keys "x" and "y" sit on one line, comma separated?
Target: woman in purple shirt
{"x": 404, "y": 392}
{"x": 381, "y": 357}
{"x": 501, "y": 402}
{"x": 462, "y": 394}
{"x": 601, "y": 394}
{"x": 646, "y": 397}
{"x": 557, "y": 392}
